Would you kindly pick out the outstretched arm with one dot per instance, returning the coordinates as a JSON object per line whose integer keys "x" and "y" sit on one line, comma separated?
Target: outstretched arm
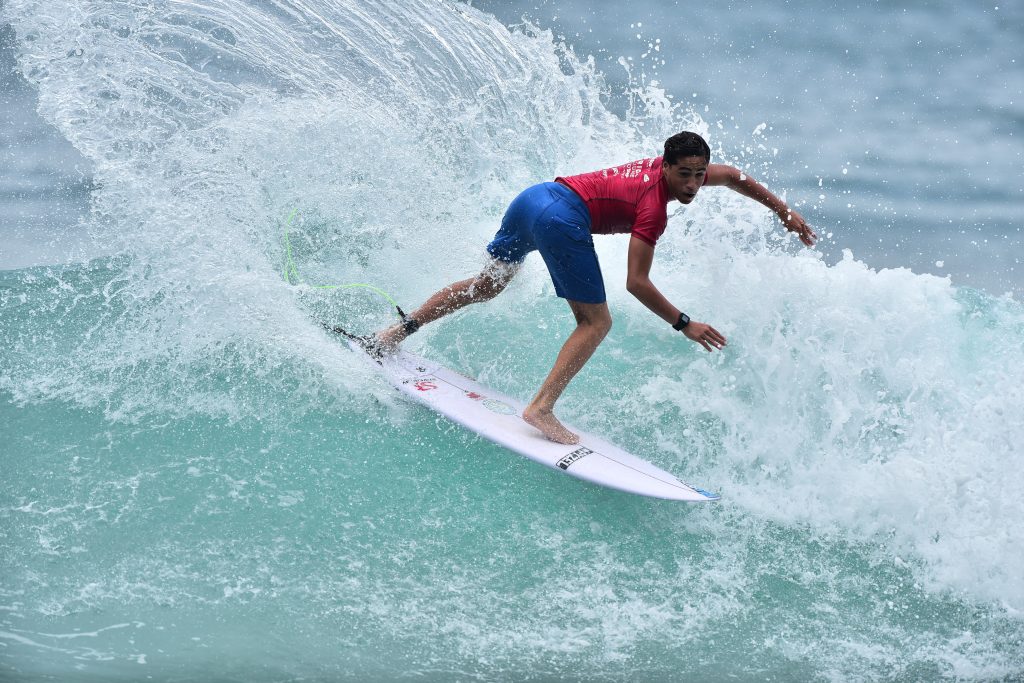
{"x": 638, "y": 283}
{"x": 734, "y": 179}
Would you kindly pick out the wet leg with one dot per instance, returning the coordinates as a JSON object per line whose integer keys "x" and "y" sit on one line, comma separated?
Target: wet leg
{"x": 592, "y": 324}
{"x": 482, "y": 287}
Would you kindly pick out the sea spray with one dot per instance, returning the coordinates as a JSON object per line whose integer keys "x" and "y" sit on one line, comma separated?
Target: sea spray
{"x": 196, "y": 463}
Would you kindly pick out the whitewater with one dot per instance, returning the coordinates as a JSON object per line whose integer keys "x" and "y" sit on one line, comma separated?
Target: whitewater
{"x": 199, "y": 483}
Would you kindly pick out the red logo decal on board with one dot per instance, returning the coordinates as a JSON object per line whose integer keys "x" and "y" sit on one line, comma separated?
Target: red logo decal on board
{"x": 425, "y": 385}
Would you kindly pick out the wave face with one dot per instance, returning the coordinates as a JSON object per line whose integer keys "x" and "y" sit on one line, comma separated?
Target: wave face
{"x": 195, "y": 466}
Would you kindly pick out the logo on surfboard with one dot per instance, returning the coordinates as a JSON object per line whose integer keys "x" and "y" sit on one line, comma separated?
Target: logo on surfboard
{"x": 576, "y": 455}
{"x": 425, "y": 384}
{"x": 499, "y": 407}
{"x": 492, "y": 404}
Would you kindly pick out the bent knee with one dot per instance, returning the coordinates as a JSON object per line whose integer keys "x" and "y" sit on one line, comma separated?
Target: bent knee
{"x": 599, "y": 322}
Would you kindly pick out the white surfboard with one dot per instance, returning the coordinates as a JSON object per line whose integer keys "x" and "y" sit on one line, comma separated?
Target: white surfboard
{"x": 499, "y": 418}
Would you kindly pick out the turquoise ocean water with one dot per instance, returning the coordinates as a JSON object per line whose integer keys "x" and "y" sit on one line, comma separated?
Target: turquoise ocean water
{"x": 196, "y": 483}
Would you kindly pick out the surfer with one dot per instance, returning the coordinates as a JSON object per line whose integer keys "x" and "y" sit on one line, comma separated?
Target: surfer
{"x": 559, "y": 218}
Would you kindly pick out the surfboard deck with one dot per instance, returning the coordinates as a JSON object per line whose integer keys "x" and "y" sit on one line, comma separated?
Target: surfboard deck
{"x": 498, "y": 418}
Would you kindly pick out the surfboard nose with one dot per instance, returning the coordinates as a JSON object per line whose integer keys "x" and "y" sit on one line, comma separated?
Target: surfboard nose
{"x": 649, "y": 481}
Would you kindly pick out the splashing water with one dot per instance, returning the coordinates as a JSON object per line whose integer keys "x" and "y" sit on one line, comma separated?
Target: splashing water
{"x": 201, "y": 480}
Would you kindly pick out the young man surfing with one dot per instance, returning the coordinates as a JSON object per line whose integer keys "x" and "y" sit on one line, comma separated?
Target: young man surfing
{"x": 558, "y": 219}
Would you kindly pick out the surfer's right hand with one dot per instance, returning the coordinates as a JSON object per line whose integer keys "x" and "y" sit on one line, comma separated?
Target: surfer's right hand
{"x": 705, "y": 335}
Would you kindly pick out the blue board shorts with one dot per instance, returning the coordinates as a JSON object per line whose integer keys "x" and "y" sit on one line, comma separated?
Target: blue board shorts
{"x": 553, "y": 220}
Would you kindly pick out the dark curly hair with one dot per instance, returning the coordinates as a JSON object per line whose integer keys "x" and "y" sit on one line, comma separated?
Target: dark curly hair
{"x": 685, "y": 144}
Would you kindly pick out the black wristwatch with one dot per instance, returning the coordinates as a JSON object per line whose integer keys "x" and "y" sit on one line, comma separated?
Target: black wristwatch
{"x": 683, "y": 321}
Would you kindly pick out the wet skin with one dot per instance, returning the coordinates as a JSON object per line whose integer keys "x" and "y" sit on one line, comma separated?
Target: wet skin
{"x": 685, "y": 177}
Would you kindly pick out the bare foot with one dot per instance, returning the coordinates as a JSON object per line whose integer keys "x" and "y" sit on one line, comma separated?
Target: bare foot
{"x": 548, "y": 424}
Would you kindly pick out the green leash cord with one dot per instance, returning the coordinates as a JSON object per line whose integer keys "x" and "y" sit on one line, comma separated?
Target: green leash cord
{"x": 291, "y": 276}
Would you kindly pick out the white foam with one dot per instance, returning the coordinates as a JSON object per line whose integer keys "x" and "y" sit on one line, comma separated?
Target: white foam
{"x": 400, "y": 169}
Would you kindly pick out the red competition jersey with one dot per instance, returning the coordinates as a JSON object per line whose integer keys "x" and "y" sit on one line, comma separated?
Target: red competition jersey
{"x": 629, "y": 198}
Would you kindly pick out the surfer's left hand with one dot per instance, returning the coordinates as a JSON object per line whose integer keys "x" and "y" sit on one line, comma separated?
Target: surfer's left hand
{"x": 705, "y": 335}
{"x": 794, "y": 222}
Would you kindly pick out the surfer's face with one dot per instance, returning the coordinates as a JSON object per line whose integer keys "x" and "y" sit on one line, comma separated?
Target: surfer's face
{"x": 685, "y": 177}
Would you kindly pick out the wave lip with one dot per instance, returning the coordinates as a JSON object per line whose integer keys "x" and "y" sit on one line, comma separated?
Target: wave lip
{"x": 861, "y": 421}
